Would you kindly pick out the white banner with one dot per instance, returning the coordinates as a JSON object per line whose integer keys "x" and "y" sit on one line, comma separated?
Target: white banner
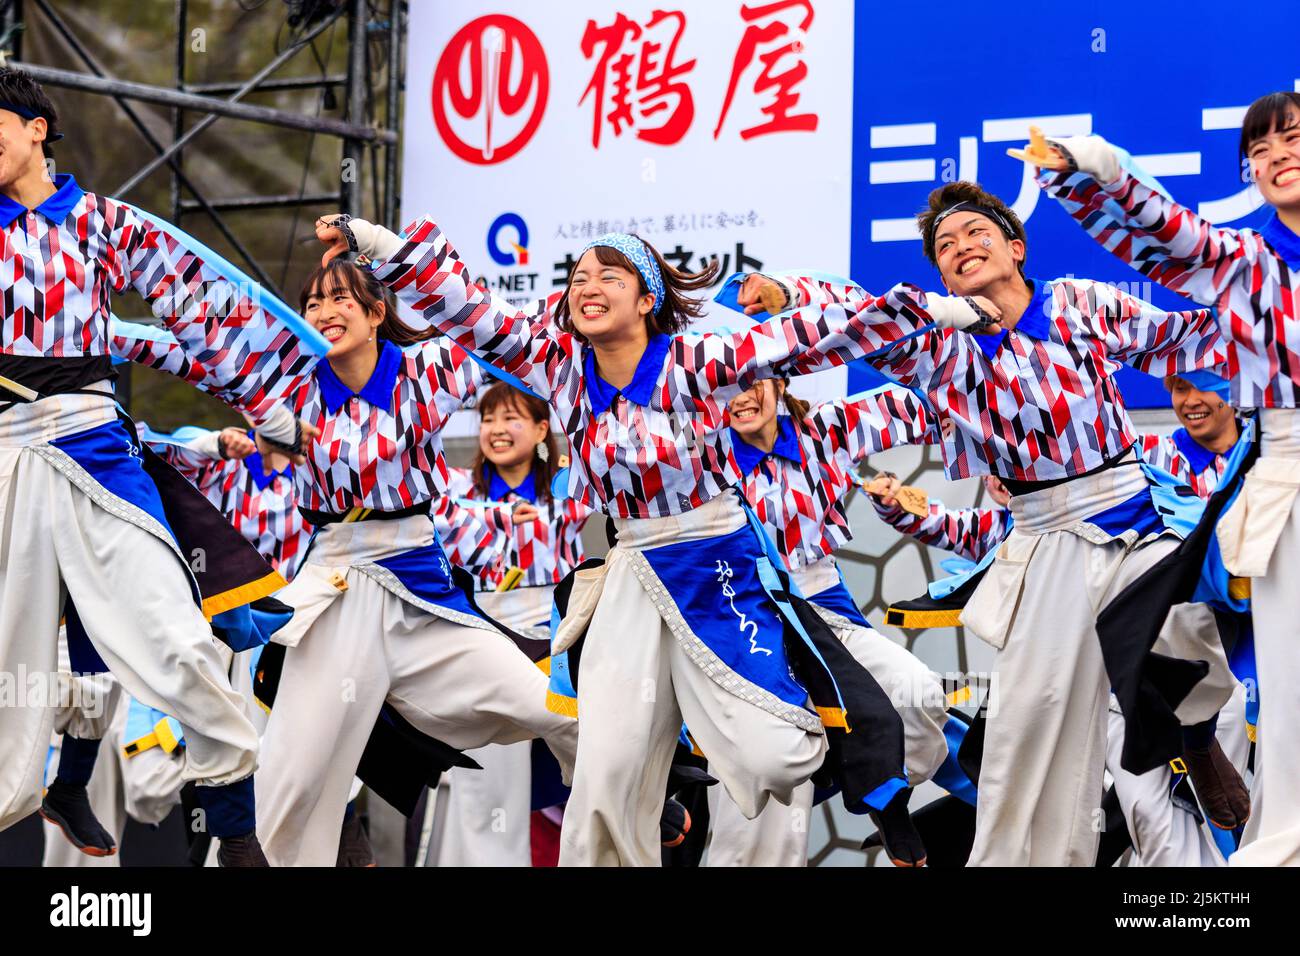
{"x": 711, "y": 128}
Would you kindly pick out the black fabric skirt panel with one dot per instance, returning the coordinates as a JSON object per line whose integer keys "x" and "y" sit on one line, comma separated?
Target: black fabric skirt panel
{"x": 1148, "y": 685}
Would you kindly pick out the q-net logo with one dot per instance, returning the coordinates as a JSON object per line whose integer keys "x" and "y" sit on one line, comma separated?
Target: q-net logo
{"x": 489, "y": 89}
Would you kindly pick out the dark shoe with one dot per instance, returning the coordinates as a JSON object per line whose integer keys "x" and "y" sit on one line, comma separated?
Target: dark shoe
{"x": 354, "y": 845}
{"x": 241, "y": 851}
{"x": 674, "y": 823}
{"x": 67, "y": 806}
{"x": 896, "y": 832}
{"x": 1220, "y": 789}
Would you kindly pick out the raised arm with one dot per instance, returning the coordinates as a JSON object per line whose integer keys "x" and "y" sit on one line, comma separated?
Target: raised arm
{"x": 890, "y": 330}
{"x": 853, "y": 428}
{"x": 1134, "y": 220}
{"x": 153, "y": 347}
{"x": 968, "y": 532}
{"x": 1150, "y": 339}
{"x": 426, "y": 274}
{"x": 773, "y": 293}
{"x": 251, "y": 360}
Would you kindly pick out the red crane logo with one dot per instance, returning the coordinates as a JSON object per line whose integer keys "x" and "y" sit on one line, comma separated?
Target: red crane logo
{"x": 503, "y": 63}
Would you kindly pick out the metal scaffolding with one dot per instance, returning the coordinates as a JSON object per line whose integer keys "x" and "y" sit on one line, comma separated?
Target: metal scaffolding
{"x": 360, "y": 134}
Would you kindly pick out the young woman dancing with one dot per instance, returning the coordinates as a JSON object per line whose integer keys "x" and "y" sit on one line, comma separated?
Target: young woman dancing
{"x": 377, "y": 618}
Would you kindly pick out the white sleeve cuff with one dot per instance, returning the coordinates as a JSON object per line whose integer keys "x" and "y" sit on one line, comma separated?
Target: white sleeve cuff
{"x": 375, "y": 242}
{"x": 280, "y": 426}
{"x": 951, "y": 311}
{"x": 208, "y": 445}
{"x": 1091, "y": 155}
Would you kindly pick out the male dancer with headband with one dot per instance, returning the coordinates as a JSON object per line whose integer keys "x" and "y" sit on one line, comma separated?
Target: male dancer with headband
{"x": 80, "y": 520}
{"x": 1032, "y": 399}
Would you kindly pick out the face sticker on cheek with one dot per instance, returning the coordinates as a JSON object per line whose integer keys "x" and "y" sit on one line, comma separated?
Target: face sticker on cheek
{"x": 986, "y": 242}
{"x": 515, "y": 426}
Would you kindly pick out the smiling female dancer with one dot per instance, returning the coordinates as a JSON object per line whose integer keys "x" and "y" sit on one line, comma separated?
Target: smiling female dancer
{"x": 799, "y": 465}
{"x": 503, "y": 520}
{"x": 377, "y": 617}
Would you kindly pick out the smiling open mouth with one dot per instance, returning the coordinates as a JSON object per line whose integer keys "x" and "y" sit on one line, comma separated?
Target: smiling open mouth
{"x": 592, "y": 311}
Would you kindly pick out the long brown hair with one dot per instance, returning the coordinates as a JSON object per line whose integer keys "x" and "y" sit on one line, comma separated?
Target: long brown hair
{"x": 501, "y": 395}
{"x": 797, "y": 407}
{"x": 339, "y": 276}
{"x": 678, "y": 309}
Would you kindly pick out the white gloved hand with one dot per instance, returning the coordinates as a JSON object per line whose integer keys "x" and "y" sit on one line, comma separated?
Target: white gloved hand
{"x": 1091, "y": 155}
{"x": 376, "y": 243}
{"x": 957, "y": 311}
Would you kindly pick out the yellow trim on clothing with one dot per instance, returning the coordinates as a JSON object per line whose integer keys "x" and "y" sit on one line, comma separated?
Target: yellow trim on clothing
{"x": 959, "y": 696}
{"x": 1250, "y": 732}
{"x": 160, "y": 736}
{"x": 1239, "y": 589}
{"x": 244, "y": 594}
{"x": 833, "y": 717}
{"x": 1177, "y": 765}
{"x": 544, "y": 665}
{"x": 899, "y": 617}
{"x": 510, "y": 580}
{"x": 559, "y": 704}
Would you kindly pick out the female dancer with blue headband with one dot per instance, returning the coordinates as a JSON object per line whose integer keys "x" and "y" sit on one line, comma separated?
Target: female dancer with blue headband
{"x": 678, "y": 624}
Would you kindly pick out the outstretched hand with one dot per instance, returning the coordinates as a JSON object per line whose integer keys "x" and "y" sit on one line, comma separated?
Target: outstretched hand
{"x": 758, "y": 294}
{"x": 884, "y": 488}
{"x": 524, "y": 513}
{"x": 332, "y": 236}
{"x": 235, "y": 444}
{"x": 1039, "y": 152}
{"x": 992, "y": 325}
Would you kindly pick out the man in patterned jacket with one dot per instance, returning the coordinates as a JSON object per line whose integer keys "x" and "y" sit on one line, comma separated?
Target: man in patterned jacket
{"x": 80, "y": 518}
{"x": 1021, "y": 374}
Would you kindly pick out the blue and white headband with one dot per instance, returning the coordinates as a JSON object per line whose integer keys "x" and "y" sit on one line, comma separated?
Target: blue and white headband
{"x": 1206, "y": 381}
{"x": 639, "y": 253}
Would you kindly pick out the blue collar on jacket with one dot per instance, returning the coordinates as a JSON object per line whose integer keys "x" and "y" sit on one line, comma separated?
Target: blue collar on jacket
{"x": 1197, "y": 455}
{"x": 378, "y": 390}
{"x": 1035, "y": 323}
{"x": 601, "y": 394}
{"x": 260, "y": 478}
{"x": 55, "y": 208}
{"x": 498, "y": 490}
{"x": 787, "y": 446}
{"x": 1284, "y": 242}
